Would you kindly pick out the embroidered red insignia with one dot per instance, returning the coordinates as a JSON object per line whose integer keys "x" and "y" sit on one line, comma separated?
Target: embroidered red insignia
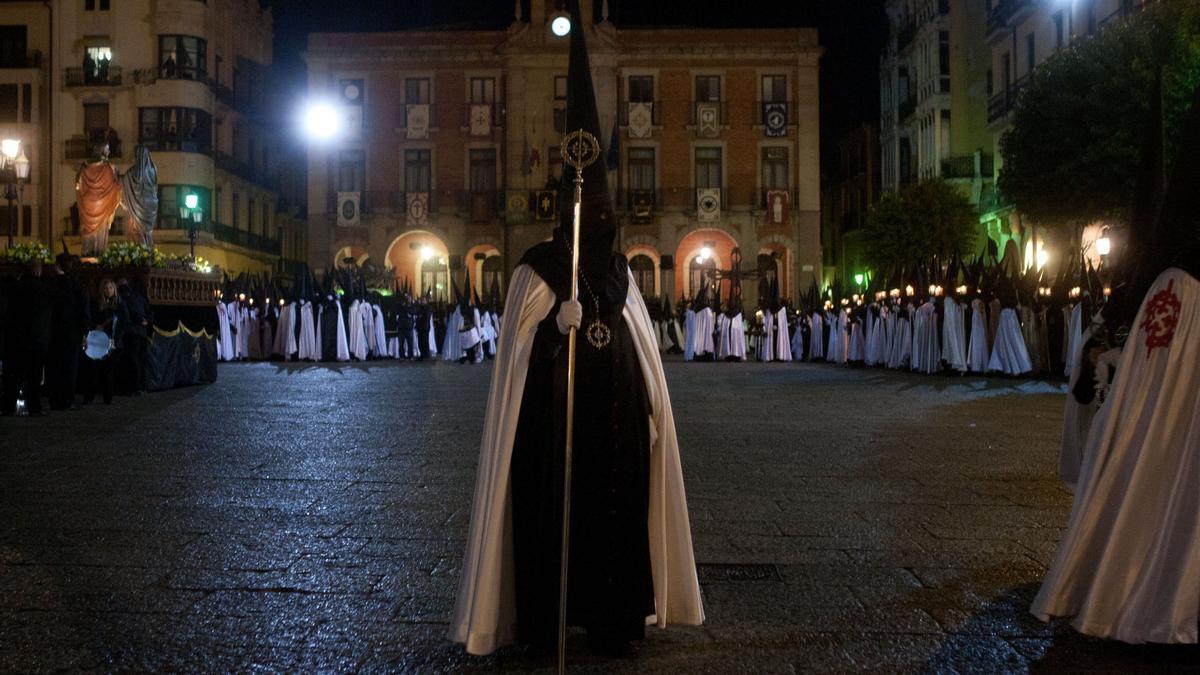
{"x": 1160, "y": 318}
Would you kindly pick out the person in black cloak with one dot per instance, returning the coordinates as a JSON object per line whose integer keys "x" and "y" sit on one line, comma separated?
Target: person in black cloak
{"x": 70, "y": 323}
{"x": 611, "y": 589}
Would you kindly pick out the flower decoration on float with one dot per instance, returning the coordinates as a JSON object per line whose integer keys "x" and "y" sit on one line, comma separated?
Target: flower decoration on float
{"x": 22, "y": 254}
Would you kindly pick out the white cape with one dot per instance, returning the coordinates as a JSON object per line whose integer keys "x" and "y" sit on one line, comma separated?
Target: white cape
{"x": 977, "y": 359}
{"x": 485, "y": 611}
{"x": 1128, "y": 567}
{"x": 1009, "y": 354}
{"x": 954, "y": 335}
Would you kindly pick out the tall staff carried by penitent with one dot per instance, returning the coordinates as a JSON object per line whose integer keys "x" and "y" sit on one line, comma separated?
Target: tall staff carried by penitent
{"x": 579, "y": 149}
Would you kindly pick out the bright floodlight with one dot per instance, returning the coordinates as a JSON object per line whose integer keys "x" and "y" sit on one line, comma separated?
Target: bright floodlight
{"x": 191, "y": 200}
{"x": 858, "y": 279}
{"x": 1042, "y": 257}
{"x": 10, "y": 147}
{"x": 705, "y": 253}
{"x": 560, "y": 26}
{"x": 426, "y": 253}
{"x": 1103, "y": 245}
{"x": 321, "y": 121}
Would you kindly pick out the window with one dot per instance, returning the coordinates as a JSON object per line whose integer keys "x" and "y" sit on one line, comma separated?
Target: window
{"x": 216, "y": 214}
{"x": 27, "y": 103}
{"x": 641, "y": 168}
{"x": 1030, "y": 54}
{"x": 642, "y": 267}
{"x": 483, "y": 90}
{"x": 483, "y": 170}
{"x": 1006, "y": 70}
{"x": 560, "y": 87}
{"x": 9, "y": 103}
{"x": 182, "y": 57}
{"x": 990, "y": 84}
{"x": 554, "y": 167}
{"x": 14, "y": 49}
{"x": 416, "y": 90}
{"x": 251, "y": 226}
{"x": 95, "y": 118}
{"x": 708, "y": 88}
{"x": 1059, "y": 36}
{"x": 774, "y": 89}
{"x": 352, "y": 171}
{"x": 774, "y": 168}
{"x": 417, "y": 173}
{"x": 641, "y": 88}
{"x": 708, "y": 167}
{"x": 944, "y": 61}
{"x": 237, "y": 204}
{"x": 93, "y": 5}
{"x": 175, "y": 129}
{"x": 266, "y": 217}
{"x": 435, "y": 276}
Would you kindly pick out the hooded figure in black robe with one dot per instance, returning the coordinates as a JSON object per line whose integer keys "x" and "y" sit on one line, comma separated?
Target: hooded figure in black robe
{"x": 612, "y": 586}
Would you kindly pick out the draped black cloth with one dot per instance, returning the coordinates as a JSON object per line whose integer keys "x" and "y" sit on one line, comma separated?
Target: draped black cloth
{"x": 611, "y": 590}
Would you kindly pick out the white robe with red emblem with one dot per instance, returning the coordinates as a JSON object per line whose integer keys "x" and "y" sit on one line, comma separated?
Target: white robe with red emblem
{"x": 1128, "y": 567}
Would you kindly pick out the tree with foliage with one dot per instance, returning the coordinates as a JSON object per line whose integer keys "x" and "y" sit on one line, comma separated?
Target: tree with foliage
{"x": 919, "y": 222}
{"x": 1073, "y": 151}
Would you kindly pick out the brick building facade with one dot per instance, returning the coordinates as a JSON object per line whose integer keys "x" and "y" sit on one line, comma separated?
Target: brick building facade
{"x": 450, "y": 137}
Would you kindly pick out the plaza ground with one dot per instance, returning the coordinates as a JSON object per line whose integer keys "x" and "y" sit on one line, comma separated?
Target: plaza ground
{"x": 303, "y": 517}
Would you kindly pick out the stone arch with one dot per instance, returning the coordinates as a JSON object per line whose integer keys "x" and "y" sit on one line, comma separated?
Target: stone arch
{"x": 655, "y": 289}
{"x": 719, "y": 240}
{"x": 475, "y": 264}
{"x": 420, "y": 259}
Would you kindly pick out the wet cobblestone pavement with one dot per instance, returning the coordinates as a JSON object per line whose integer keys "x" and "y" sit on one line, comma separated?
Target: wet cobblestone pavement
{"x": 303, "y": 518}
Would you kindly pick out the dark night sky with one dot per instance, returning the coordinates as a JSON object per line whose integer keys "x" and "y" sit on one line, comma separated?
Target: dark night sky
{"x": 852, "y": 32}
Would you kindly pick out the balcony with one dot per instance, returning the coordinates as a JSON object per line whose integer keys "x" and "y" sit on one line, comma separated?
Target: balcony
{"x": 963, "y": 166}
{"x": 82, "y": 77}
{"x": 243, "y": 170}
{"x": 82, "y": 147}
{"x": 21, "y": 59}
{"x": 226, "y": 234}
{"x": 1004, "y": 13}
{"x": 1002, "y": 103}
{"x": 641, "y": 204}
{"x": 906, "y": 108}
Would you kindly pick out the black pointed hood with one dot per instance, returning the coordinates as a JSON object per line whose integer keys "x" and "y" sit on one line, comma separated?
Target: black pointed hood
{"x": 597, "y": 230}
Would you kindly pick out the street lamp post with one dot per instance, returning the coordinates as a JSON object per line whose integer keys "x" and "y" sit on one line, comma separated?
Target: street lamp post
{"x": 191, "y": 212}
{"x": 15, "y": 166}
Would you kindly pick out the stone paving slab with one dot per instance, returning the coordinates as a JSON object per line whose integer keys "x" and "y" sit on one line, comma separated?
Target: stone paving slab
{"x": 310, "y": 518}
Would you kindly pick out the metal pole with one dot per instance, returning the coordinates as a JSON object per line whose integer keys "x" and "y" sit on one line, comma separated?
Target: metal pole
{"x": 566, "y": 523}
{"x": 10, "y": 194}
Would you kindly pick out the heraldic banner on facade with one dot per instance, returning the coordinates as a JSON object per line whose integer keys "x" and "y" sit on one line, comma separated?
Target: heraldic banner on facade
{"x": 416, "y": 117}
{"x": 775, "y": 119}
{"x": 516, "y": 207}
{"x": 708, "y": 120}
{"x": 641, "y": 119}
{"x": 347, "y": 209}
{"x": 416, "y": 209}
{"x": 708, "y": 205}
{"x": 480, "y": 118}
{"x": 777, "y": 206}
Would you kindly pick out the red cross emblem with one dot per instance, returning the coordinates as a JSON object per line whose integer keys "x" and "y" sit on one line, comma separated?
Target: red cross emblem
{"x": 1160, "y": 318}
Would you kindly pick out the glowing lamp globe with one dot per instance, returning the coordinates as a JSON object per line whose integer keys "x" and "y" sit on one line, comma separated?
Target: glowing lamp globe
{"x": 10, "y": 147}
{"x": 426, "y": 253}
{"x": 321, "y": 121}
{"x": 560, "y": 26}
{"x": 191, "y": 200}
{"x": 858, "y": 279}
{"x": 1103, "y": 245}
{"x": 705, "y": 253}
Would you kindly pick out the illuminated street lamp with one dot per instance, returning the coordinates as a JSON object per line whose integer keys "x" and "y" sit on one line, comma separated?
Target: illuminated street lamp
{"x": 15, "y": 167}
{"x": 321, "y": 121}
{"x": 192, "y": 214}
{"x": 426, "y": 253}
{"x": 705, "y": 254}
{"x": 560, "y": 25}
{"x": 1104, "y": 244}
{"x": 858, "y": 279}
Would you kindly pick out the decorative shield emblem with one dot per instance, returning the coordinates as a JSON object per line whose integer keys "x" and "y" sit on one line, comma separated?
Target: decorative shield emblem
{"x": 546, "y": 206}
{"x": 517, "y": 207}
{"x": 481, "y": 119}
{"x": 641, "y": 119}
{"x": 643, "y": 206}
{"x": 417, "y": 209}
{"x": 1160, "y": 318}
{"x": 775, "y": 119}
{"x": 708, "y": 205}
{"x": 347, "y": 213}
{"x": 417, "y": 116}
{"x": 708, "y": 120}
{"x": 777, "y": 207}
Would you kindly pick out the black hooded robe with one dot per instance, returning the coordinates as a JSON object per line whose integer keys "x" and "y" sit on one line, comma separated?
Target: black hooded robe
{"x": 611, "y": 591}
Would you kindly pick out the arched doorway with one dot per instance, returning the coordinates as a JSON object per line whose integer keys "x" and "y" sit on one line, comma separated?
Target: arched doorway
{"x": 485, "y": 267}
{"x": 698, "y": 252}
{"x": 642, "y": 267}
{"x": 420, "y": 260}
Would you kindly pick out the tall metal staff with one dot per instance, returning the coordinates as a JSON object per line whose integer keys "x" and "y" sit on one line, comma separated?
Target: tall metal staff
{"x": 579, "y": 149}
